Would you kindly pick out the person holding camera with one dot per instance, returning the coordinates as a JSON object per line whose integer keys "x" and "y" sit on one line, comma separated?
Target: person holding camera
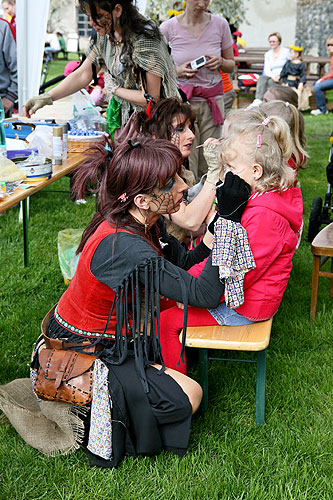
{"x": 201, "y": 46}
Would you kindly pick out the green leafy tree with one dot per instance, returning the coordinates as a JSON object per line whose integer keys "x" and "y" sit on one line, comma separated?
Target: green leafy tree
{"x": 234, "y": 10}
{"x": 56, "y": 11}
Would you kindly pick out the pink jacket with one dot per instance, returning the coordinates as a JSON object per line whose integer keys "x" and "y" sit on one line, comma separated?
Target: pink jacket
{"x": 272, "y": 221}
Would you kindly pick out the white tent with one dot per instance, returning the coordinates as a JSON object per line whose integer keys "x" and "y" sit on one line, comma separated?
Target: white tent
{"x": 141, "y": 5}
{"x": 31, "y": 22}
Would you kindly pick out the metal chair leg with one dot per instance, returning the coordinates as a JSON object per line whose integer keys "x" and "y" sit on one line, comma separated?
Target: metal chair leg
{"x": 260, "y": 387}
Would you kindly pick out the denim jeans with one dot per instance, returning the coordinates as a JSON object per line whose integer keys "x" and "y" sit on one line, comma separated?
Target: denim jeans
{"x": 319, "y": 89}
{"x": 226, "y": 316}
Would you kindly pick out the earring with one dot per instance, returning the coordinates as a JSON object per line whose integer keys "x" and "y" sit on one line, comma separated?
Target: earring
{"x": 146, "y": 225}
{"x": 117, "y": 21}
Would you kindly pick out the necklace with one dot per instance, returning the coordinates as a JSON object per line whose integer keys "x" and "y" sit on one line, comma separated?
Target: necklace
{"x": 118, "y": 42}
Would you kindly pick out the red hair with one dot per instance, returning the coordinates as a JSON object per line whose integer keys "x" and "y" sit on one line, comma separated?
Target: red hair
{"x": 132, "y": 169}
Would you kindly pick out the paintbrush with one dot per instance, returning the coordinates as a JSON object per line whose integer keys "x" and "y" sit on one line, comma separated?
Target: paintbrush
{"x": 202, "y": 145}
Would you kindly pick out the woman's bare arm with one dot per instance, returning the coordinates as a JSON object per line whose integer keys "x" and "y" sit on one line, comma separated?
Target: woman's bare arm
{"x": 191, "y": 216}
{"x": 153, "y": 84}
{"x": 77, "y": 80}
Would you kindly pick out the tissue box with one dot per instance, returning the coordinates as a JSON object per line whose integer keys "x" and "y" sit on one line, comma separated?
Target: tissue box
{"x": 19, "y": 153}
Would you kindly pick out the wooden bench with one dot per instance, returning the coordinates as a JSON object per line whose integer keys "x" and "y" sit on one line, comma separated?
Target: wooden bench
{"x": 255, "y": 60}
{"x": 254, "y": 337}
{"x": 322, "y": 249}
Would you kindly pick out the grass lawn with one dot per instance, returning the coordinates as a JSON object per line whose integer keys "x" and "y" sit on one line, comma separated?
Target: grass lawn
{"x": 229, "y": 457}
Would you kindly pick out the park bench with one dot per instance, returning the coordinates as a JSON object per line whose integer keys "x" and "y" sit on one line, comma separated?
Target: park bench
{"x": 254, "y": 337}
{"x": 254, "y": 58}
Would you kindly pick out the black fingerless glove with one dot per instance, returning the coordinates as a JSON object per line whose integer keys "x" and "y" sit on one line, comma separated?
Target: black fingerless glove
{"x": 232, "y": 197}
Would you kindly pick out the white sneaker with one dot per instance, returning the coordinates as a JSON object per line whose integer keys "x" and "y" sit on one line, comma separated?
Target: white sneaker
{"x": 80, "y": 202}
{"x": 255, "y": 103}
{"x": 317, "y": 112}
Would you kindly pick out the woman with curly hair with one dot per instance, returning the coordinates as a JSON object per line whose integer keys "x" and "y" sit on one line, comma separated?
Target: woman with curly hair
{"x": 133, "y": 53}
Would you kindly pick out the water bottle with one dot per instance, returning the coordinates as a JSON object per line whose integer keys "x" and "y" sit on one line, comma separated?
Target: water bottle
{"x": 3, "y": 147}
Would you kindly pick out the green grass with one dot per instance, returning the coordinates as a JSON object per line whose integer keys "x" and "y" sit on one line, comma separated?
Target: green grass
{"x": 289, "y": 458}
{"x": 56, "y": 67}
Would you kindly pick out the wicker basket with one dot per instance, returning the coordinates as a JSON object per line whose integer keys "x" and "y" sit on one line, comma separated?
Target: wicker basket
{"x": 85, "y": 143}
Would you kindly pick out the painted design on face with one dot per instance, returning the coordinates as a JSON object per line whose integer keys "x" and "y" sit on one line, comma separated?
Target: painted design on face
{"x": 175, "y": 137}
{"x": 104, "y": 21}
{"x": 163, "y": 201}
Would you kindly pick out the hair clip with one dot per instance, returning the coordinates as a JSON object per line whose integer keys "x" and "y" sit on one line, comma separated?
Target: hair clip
{"x": 259, "y": 137}
{"x": 148, "y": 109}
{"x": 133, "y": 144}
{"x": 265, "y": 122}
{"x": 150, "y": 100}
{"x": 287, "y": 104}
{"x": 123, "y": 197}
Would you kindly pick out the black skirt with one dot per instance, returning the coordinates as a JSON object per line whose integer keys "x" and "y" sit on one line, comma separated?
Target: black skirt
{"x": 143, "y": 423}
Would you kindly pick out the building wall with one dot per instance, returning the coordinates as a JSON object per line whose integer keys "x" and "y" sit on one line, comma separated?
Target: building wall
{"x": 314, "y": 25}
{"x": 62, "y": 17}
{"x": 268, "y": 16}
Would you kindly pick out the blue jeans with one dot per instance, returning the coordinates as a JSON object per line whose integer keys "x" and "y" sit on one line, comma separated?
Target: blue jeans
{"x": 226, "y": 316}
{"x": 319, "y": 89}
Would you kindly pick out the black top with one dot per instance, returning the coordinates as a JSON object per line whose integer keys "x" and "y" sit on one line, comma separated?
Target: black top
{"x": 123, "y": 252}
{"x": 293, "y": 70}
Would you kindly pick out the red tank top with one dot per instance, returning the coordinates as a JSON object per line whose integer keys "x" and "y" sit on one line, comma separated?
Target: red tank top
{"x": 85, "y": 306}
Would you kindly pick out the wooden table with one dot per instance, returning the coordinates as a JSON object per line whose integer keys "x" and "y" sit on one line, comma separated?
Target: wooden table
{"x": 59, "y": 171}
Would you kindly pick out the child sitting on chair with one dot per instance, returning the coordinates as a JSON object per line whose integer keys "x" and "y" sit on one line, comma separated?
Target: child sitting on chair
{"x": 293, "y": 71}
{"x": 255, "y": 149}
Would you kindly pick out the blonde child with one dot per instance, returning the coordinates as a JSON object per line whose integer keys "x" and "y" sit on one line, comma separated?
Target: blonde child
{"x": 256, "y": 149}
{"x": 295, "y": 121}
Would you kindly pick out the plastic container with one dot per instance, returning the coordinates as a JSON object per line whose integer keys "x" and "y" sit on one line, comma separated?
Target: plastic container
{"x": 35, "y": 172}
{"x": 57, "y": 145}
{"x": 64, "y": 141}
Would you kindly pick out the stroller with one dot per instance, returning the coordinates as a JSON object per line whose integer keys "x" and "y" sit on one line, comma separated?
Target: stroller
{"x": 321, "y": 214}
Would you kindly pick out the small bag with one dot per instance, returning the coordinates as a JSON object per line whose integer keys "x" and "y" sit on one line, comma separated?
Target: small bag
{"x": 65, "y": 376}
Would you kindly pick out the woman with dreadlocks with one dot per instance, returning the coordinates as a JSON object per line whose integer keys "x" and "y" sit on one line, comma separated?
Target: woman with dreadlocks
{"x": 133, "y": 53}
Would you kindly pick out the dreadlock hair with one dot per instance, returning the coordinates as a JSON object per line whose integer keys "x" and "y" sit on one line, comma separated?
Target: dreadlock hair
{"x": 295, "y": 120}
{"x": 120, "y": 176}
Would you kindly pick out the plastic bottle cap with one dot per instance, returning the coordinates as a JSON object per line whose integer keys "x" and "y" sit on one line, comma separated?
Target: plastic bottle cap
{"x": 57, "y": 131}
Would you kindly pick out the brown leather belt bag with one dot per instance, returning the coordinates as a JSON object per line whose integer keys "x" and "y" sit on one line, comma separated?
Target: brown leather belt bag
{"x": 64, "y": 375}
